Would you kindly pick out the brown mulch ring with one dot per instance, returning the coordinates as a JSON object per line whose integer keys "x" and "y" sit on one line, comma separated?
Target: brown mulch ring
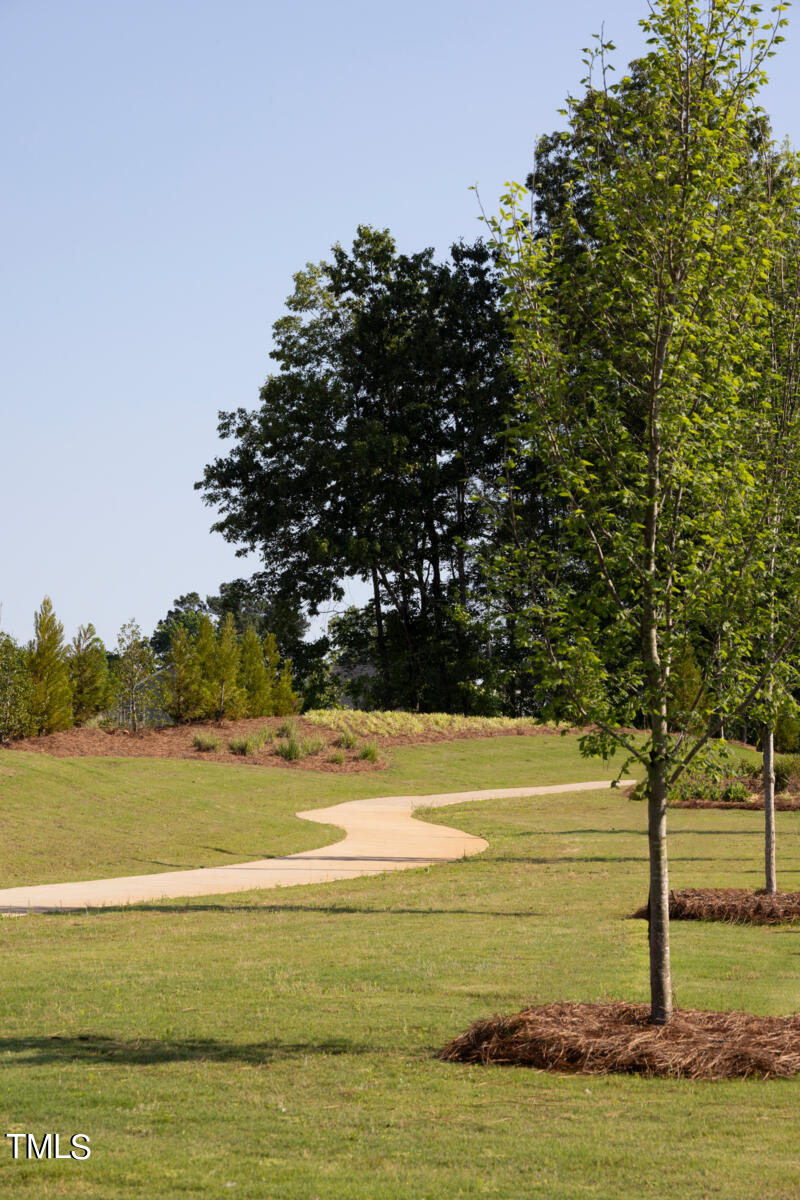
{"x": 601, "y": 1039}
{"x": 736, "y": 905}
{"x": 177, "y": 741}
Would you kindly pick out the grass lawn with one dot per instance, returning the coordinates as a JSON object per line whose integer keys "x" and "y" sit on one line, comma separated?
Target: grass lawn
{"x": 279, "y": 1044}
{"x": 93, "y": 818}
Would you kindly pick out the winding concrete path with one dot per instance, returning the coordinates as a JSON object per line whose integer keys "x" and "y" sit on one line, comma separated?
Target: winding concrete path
{"x": 381, "y": 834}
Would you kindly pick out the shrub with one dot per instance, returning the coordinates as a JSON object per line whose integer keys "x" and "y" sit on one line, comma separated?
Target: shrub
{"x": 290, "y": 750}
{"x": 369, "y": 752}
{"x": 787, "y": 769}
{"x": 735, "y": 792}
{"x": 205, "y": 741}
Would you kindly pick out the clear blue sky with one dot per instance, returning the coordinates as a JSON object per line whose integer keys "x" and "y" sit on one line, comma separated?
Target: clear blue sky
{"x": 167, "y": 167}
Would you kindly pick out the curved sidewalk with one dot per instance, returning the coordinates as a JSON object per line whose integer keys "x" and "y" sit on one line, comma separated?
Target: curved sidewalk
{"x": 381, "y": 834}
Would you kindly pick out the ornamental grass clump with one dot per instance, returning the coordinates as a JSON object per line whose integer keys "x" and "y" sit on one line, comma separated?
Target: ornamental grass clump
{"x": 369, "y": 752}
{"x": 205, "y": 742}
{"x": 244, "y": 745}
{"x": 289, "y": 750}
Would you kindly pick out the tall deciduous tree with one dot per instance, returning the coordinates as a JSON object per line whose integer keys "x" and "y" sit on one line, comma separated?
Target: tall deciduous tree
{"x": 47, "y": 663}
{"x": 367, "y": 450}
{"x": 640, "y": 312}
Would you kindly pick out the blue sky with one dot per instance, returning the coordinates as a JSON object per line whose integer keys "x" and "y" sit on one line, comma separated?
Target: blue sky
{"x": 167, "y": 167}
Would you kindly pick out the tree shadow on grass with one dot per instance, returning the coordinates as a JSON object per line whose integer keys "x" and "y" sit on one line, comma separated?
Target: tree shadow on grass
{"x": 98, "y": 1049}
{"x": 330, "y": 910}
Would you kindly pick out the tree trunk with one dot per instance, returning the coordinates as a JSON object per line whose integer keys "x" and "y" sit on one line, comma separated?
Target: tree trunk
{"x": 768, "y": 775}
{"x": 382, "y": 654}
{"x": 658, "y": 906}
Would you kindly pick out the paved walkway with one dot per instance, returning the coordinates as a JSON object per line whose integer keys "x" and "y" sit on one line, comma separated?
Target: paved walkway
{"x": 381, "y": 834}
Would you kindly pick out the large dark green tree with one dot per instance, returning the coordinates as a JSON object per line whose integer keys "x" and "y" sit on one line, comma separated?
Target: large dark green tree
{"x": 366, "y": 454}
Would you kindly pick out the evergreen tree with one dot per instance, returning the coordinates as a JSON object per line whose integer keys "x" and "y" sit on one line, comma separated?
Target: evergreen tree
{"x": 285, "y": 699}
{"x": 16, "y": 691}
{"x": 205, "y": 648}
{"x": 253, "y": 675}
{"x": 52, "y": 694}
{"x": 232, "y": 700}
{"x": 272, "y": 659}
{"x": 181, "y": 692}
{"x": 87, "y": 665}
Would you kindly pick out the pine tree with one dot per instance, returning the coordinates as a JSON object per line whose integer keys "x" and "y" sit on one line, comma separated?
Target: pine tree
{"x": 253, "y": 675}
{"x": 88, "y": 674}
{"x": 231, "y": 700}
{"x": 52, "y": 694}
{"x": 271, "y": 661}
{"x": 182, "y": 691}
{"x": 285, "y": 700}
{"x": 205, "y": 648}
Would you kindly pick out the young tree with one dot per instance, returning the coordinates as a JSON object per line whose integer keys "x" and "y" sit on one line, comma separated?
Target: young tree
{"x": 205, "y": 649}
{"x": 52, "y": 695}
{"x": 253, "y": 675}
{"x": 231, "y": 698}
{"x": 135, "y": 672}
{"x": 181, "y": 687}
{"x": 16, "y": 691}
{"x": 639, "y": 312}
{"x": 88, "y": 674}
{"x": 285, "y": 700}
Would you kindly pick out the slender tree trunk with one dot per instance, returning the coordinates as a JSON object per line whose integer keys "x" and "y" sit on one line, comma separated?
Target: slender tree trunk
{"x": 658, "y": 903}
{"x": 658, "y": 906}
{"x": 382, "y": 654}
{"x": 768, "y": 775}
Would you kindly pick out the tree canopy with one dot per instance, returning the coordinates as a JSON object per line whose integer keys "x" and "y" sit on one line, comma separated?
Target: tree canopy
{"x": 370, "y": 445}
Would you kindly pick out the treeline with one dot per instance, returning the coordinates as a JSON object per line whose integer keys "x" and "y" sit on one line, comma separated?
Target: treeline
{"x": 210, "y": 671}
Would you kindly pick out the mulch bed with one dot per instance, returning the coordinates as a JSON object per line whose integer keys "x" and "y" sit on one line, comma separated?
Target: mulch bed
{"x": 735, "y": 905}
{"x": 782, "y": 804}
{"x": 176, "y": 741}
{"x": 601, "y": 1039}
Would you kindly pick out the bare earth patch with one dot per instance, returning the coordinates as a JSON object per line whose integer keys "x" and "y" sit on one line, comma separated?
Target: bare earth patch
{"x": 735, "y": 905}
{"x": 601, "y": 1039}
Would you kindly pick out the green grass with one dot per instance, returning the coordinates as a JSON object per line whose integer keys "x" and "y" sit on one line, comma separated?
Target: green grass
{"x": 99, "y": 817}
{"x": 282, "y": 1041}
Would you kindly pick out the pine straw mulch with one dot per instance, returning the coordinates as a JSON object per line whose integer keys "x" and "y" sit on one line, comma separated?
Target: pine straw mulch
{"x": 738, "y": 906}
{"x": 601, "y": 1039}
{"x": 177, "y": 741}
{"x": 783, "y": 803}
